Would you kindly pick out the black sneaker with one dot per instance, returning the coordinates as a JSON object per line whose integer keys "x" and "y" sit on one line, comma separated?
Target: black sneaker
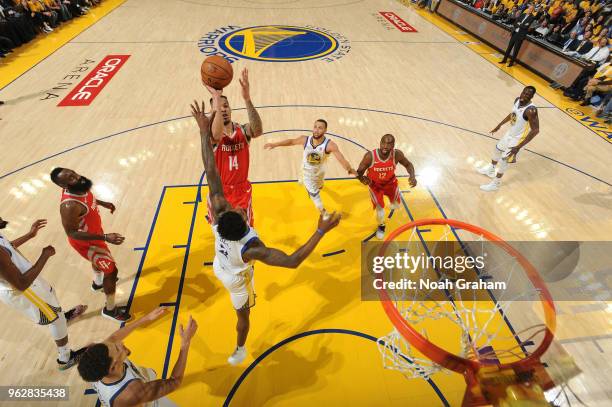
{"x": 119, "y": 314}
{"x": 96, "y": 287}
{"x": 75, "y": 356}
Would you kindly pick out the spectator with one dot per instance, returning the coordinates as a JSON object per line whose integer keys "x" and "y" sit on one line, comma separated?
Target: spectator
{"x": 572, "y": 43}
{"x": 602, "y": 34}
{"x": 543, "y": 30}
{"x": 601, "y": 83}
{"x": 587, "y": 29}
{"x": 519, "y": 33}
{"x": 584, "y": 46}
{"x": 577, "y": 90}
{"x": 500, "y": 14}
{"x": 555, "y": 37}
{"x": 599, "y": 53}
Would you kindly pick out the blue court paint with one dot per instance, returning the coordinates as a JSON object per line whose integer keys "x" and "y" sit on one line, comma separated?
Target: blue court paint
{"x": 136, "y": 249}
{"x": 208, "y": 263}
{"x": 334, "y": 253}
{"x": 189, "y": 203}
{"x": 167, "y": 304}
{"x": 179, "y": 246}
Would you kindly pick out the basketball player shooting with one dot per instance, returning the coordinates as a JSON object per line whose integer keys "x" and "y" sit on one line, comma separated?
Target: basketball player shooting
{"x": 231, "y": 147}
{"x": 316, "y": 149}
{"x": 380, "y": 165}
{"x": 525, "y": 125}
{"x": 237, "y": 245}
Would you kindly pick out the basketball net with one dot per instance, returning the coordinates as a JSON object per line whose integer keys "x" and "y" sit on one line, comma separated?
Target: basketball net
{"x": 499, "y": 360}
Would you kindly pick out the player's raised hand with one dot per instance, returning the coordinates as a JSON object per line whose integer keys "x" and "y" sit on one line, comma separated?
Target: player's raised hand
{"x": 48, "y": 251}
{"x": 36, "y": 226}
{"x": 328, "y": 222}
{"x": 204, "y": 122}
{"x": 187, "y": 333}
{"x": 245, "y": 85}
{"x": 114, "y": 238}
{"x": 156, "y": 313}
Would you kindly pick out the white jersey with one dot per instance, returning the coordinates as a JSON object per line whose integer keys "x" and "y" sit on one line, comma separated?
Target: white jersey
{"x": 108, "y": 392}
{"x": 228, "y": 254}
{"x": 314, "y": 158}
{"x": 22, "y": 264}
{"x": 519, "y": 126}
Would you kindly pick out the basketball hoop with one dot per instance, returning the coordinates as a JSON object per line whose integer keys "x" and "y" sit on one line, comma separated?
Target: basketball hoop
{"x": 496, "y": 364}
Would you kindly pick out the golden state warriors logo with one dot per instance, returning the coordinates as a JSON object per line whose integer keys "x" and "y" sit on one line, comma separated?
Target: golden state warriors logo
{"x": 513, "y": 118}
{"x": 314, "y": 158}
{"x": 275, "y": 43}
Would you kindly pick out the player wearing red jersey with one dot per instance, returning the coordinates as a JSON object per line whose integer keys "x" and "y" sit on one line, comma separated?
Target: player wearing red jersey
{"x": 380, "y": 165}
{"x": 83, "y": 225}
{"x": 231, "y": 146}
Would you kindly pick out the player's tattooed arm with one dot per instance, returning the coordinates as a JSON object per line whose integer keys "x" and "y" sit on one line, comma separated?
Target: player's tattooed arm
{"x": 21, "y": 282}
{"x": 298, "y": 141}
{"x": 218, "y": 202}
{"x": 36, "y": 226}
{"x": 365, "y": 163}
{"x": 255, "y": 127}
{"x": 401, "y": 158}
{"x": 274, "y": 257}
{"x": 534, "y": 128}
{"x": 333, "y": 148}
{"x": 506, "y": 120}
{"x": 138, "y": 392}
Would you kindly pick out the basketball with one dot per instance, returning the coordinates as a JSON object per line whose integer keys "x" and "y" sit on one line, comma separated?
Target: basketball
{"x": 216, "y": 72}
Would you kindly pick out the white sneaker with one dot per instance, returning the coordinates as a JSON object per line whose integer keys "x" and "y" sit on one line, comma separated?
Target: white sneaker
{"x": 487, "y": 170}
{"x": 238, "y": 356}
{"x": 380, "y": 232}
{"x": 491, "y": 186}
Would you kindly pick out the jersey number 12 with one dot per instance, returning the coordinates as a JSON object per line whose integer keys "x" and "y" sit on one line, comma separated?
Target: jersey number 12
{"x": 233, "y": 162}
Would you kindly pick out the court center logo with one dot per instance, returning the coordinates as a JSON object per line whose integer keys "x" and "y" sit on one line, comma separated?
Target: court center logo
{"x": 275, "y": 43}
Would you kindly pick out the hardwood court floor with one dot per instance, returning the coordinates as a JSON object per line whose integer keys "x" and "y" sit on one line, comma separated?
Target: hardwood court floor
{"x": 137, "y": 143}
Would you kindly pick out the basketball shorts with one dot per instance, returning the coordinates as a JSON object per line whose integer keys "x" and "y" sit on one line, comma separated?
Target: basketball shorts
{"x": 97, "y": 253}
{"x": 240, "y": 286}
{"x": 239, "y": 196}
{"x": 38, "y": 303}
{"x": 378, "y": 192}
{"x": 505, "y": 144}
{"x": 313, "y": 184}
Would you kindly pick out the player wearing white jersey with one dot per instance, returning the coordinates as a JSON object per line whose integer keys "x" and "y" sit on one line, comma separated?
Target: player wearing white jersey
{"x": 316, "y": 149}
{"x": 237, "y": 245}
{"x": 119, "y": 382}
{"x": 525, "y": 125}
{"x": 25, "y": 291}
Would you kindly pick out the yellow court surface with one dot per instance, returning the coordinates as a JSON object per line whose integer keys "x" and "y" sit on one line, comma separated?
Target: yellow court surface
{"x": 313, "y": 337}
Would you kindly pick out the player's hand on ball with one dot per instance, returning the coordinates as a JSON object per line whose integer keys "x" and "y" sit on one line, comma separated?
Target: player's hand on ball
{"x": 327, "y": 223}
{"x": 114, "y": 238}
{"x": 48, "y": 251}
{"x": 36, "y": 226}
{"x": 412, "y": 182}
{"x": 187, "y": 333}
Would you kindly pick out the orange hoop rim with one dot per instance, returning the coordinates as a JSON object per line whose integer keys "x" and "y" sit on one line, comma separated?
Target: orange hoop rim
{"x": 443, "y": 357}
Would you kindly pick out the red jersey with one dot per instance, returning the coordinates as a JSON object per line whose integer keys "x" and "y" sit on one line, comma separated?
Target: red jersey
{"x": 90, "y": 222}
{"x": 382, "y": 172}
{"x": 232, "y": 157}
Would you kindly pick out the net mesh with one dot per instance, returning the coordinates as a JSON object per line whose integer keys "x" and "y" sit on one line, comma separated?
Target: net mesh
{"x": 476, "y": 322}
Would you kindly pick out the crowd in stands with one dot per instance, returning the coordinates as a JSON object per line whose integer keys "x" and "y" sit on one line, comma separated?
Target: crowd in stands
{"x": 22, "y": 20}
{"x": 581, "y": 29}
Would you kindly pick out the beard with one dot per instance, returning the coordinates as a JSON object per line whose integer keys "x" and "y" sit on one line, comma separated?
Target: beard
{"x": 81, "y": 187}
{"x": 317, "y": 137}
{"x": 3, "y": 224}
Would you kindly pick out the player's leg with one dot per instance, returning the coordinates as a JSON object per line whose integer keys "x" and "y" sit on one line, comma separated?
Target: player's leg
{"x": 313, "y": 187}
{"x": 40, "y": 305}
{"x": 102, "y": 262}
{"x": 489, "y": 170}
{"x": 378, "y": 203}
{"x": 496, "y": 182}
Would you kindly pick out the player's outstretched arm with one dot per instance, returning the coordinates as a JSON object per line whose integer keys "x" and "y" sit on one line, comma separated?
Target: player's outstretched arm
{"x": 36, "y": 226}
{"x": 401, "y": 158}
{"x": 138, "y": 392}
{"x": 365, "y": 163}
{"x": 122, "y": 333}
{"x": 254, "y": 128}
{"x": 333, "y": 148}
{"x": 218, "y": 201}
{"x": 275, "y": 257}
{"x": 14, "y": 277}
{"x": 298, "y": 141}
